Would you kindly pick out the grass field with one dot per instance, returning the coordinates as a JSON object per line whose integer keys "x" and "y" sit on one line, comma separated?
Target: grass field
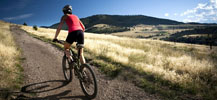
{"x": 173, "y": 70}
{"x": 150, "y": 31}
{"x": 10, "y": 69}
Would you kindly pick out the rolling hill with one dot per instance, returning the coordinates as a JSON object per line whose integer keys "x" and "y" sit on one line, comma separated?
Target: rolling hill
{"x": 122, "y": 21}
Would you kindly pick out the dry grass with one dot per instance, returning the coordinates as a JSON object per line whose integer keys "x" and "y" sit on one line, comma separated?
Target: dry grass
{"x": 9, "y": 64}
{"x": 46, "y": 32}
{"x": 188, "y": 66}
{"x": 148, "y": 31}
{"x": 151, "y": 56}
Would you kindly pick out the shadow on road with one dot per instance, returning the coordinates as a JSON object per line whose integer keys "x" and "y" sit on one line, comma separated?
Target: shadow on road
{"x": 58, "y": 96}
{"x": 44, "y": 86}
{"x": 28, "y": 91}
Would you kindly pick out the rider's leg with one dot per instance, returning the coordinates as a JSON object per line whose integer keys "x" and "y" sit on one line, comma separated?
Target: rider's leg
{"x": 82, "y": 59}
{"x": 66, "y": 48}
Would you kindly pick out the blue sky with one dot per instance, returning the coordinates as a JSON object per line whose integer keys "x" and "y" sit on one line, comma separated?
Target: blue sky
{"x": 48, "y": 12}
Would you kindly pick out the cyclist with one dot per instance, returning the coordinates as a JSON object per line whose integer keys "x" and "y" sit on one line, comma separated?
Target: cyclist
{"x": 75, "y": 31}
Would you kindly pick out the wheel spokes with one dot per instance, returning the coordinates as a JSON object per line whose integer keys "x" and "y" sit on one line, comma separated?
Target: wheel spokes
{"x": 88, "y": 81}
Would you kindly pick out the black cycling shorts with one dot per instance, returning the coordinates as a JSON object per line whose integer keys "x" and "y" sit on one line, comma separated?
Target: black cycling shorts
{"x": 75, "y": 36}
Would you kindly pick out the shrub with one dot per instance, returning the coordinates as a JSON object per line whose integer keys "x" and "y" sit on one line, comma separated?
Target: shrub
{"x": 24, "y": 24}
{"x": 35, "y": 27}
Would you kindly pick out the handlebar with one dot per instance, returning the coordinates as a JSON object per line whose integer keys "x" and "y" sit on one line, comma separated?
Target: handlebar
{"x": 59, "y": 41}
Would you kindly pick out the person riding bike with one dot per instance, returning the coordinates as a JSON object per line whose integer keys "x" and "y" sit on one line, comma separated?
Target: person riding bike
{"x": 75, "y": 32}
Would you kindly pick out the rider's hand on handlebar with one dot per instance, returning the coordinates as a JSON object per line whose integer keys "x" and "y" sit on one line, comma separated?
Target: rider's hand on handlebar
{"x": 55, "y": 40}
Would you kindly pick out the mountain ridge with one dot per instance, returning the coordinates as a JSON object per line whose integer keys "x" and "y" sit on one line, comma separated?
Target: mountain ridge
{"x": 122, "y": 21}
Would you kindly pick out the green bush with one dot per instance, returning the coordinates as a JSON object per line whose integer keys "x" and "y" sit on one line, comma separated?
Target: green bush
{"x": 35, "y": 27}
{"x": 24, "y": 24}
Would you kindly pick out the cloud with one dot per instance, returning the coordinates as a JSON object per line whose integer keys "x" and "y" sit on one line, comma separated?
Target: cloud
{"x": 166, "y": 14}
{"x": 204, "y": 12}
{"x": 18, "y": 17}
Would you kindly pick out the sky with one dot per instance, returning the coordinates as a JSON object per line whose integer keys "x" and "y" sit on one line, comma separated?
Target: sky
{"x": 48, "y": 12}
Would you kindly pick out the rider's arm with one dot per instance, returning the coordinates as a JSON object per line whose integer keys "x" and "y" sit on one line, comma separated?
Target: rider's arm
{"x": 82, "y": 25}
{"x": 59, "y": 27}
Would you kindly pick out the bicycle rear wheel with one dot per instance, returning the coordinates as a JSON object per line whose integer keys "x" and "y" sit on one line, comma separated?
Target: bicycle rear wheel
{"x": 67, "y": 70}
{"x": 88, "y": 83}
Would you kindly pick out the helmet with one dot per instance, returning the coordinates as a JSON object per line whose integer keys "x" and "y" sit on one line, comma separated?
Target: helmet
{"x": 67, "y": 9}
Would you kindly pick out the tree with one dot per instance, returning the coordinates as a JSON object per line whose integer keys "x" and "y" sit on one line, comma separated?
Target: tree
{"x": 24, "y": 24}
{"x": 35, "y": 27}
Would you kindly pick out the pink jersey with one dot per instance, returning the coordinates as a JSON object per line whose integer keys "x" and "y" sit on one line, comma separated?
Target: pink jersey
{"x": 73, "y": 23}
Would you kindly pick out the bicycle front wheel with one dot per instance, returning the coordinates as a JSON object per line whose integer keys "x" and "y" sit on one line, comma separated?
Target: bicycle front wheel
{"x": 67, "y": 70}
{"x": 88, "y": 82}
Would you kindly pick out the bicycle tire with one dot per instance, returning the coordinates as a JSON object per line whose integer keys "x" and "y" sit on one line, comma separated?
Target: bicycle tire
{"x": 67, "y": 70}
{"x": 88, "y": 67}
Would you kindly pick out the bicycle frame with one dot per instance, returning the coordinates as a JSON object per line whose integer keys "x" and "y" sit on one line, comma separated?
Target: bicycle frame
{"x": 83, "y": 72}
{"x": 77, "y": 61}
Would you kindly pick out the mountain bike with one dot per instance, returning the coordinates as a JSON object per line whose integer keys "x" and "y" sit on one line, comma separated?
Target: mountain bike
{"x": 83, "y": 72}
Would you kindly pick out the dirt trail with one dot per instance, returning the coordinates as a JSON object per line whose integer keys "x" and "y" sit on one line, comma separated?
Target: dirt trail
{"x": 44, "y": 78}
